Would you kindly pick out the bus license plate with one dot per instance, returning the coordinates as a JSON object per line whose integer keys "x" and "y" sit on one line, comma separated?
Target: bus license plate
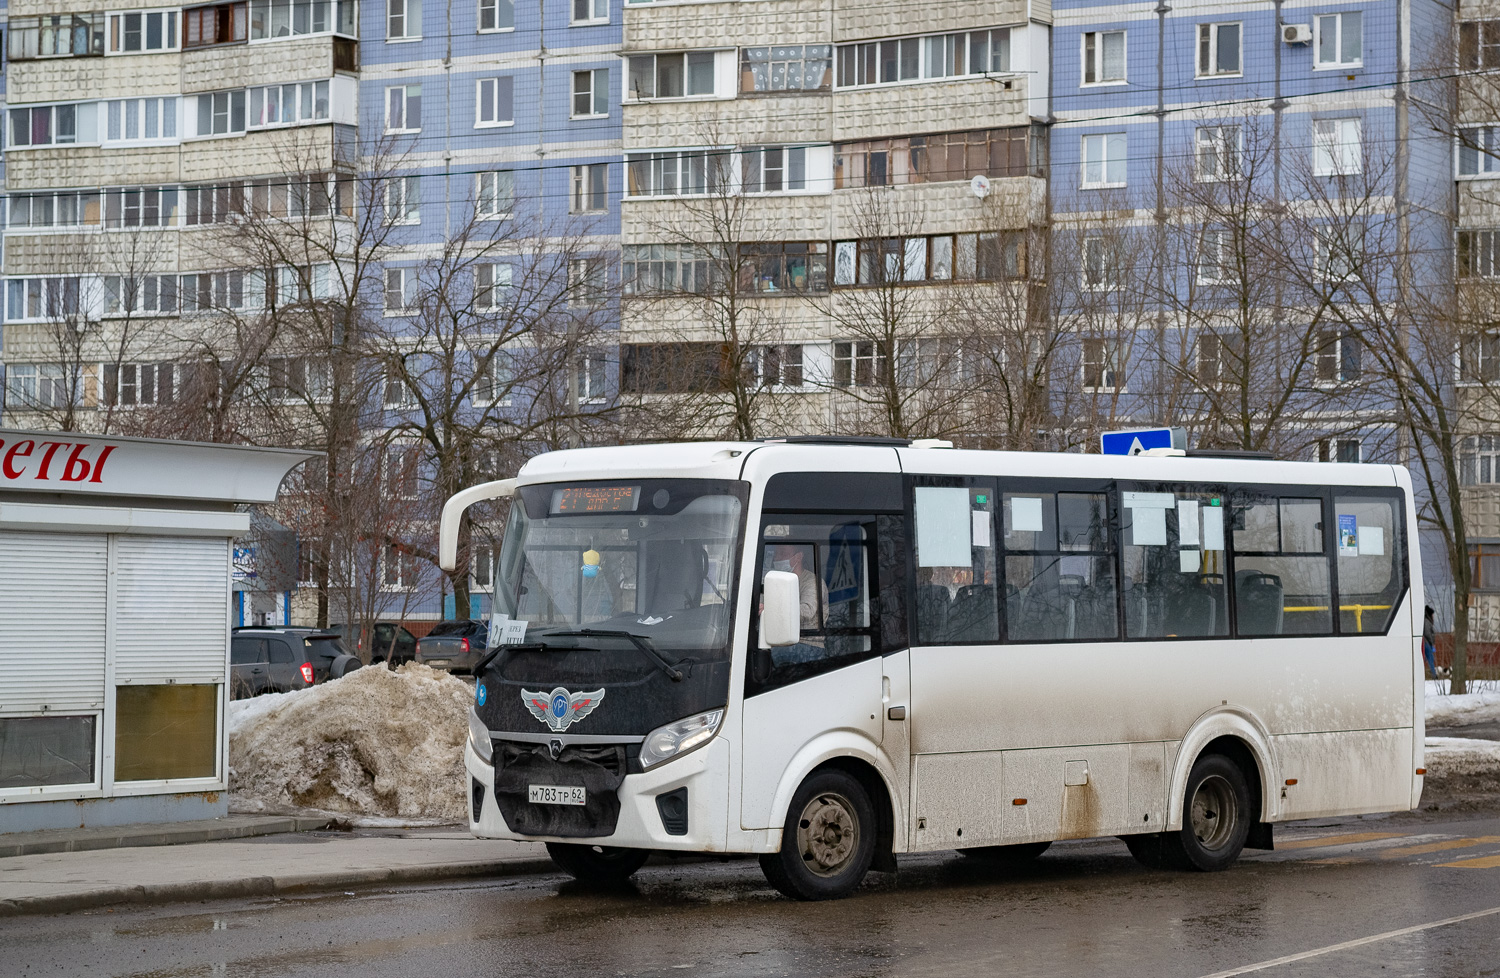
{"x": 549, "y": 794}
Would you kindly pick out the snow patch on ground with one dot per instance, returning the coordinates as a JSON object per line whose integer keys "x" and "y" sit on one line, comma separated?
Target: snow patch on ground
{"x": 1480, "y": 705}
{"x": 376, "y": 744}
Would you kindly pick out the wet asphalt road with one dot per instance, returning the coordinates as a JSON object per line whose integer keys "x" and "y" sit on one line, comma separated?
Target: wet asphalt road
{"x": 1392, "y": 887}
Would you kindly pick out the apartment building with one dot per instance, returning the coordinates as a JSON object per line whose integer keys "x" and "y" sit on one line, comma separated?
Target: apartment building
{"x": 810, "y": 189}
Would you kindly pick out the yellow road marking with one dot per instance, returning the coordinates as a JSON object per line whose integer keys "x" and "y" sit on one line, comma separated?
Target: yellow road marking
{"x": 1336, "y": 840}
{"x": 1484, "y": 862}
{"x": 1337, "y": 861}
{"x": 1423, "y": 850}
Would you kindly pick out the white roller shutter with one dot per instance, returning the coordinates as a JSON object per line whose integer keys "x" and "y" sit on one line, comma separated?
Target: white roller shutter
{"x": 52, "y": 621}
{"x": 172, "y": 609}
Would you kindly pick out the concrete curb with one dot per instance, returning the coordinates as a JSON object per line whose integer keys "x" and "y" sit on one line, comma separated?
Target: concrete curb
{"x": 128, "y": 836}
{"x": 253, "y": 886}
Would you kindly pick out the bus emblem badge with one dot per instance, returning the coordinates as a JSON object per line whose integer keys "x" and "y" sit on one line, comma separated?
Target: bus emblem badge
{"x": 560, "y": 709}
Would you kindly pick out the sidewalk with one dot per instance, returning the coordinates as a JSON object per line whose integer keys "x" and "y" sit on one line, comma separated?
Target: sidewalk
{"x": 290, "y": 862}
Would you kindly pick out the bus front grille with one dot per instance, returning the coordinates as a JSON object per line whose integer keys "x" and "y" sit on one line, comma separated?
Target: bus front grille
{"x": 599, "y": 770}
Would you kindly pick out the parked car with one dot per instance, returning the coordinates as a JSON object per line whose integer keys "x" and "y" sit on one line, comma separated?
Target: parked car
{"x": 276, "y": 660}
{"x": 391, "y": 644}
{"x": 454, "y": 646}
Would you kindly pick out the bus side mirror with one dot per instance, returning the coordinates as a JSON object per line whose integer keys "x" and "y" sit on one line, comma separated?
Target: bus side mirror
{"x": 781, "y": 613}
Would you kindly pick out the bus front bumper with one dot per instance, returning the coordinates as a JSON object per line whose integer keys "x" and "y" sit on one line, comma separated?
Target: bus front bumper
{"x": 704, "y": 773}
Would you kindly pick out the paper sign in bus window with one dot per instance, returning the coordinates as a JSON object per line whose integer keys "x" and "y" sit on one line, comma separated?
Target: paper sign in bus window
{"x": 1187, "y": 523}
{"x": 982, "y": 529}
{"x": 1348, "y": 535}
{"x": 1025, "y": 514}
{"x": 1148, "y": 526}
{"x": 944, "y": 530}
{"x": 1372, "y": 541}
{"x": 1213, "y": 528}
{"x": 1189, "y": 561}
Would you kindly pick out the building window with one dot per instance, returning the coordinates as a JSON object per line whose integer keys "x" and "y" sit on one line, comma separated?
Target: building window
{"x": 300, "y": 195}
{"x": 497, "y": 15}
{"x": 210, "y": 291}
{"x": 1216, "y": 257}
{"x": 1216, "y": 153}
{"x": 494, "y": 101}
{"x": 400, "y": 297}
{"x": 212, "y": 205}
{"x": 588, "y": 282}
{"x": 1103, "y": 57}
{"x": 399, "y": 568}
{"x": 142, "y": 30}
{"x": 593, "y": 376}
{"x": 680, "y": 75}
{"x": 1101, "y": 364}
{"x": 1217, "y": 359}
{"x": 494, "y": 193}
{"x": 403, "y": 109}
{"x": 38, "y": 386}
{"x": 675, "y": 174}
{"x": 226, "y": 23}
{"x": 789, "y": 266}
{"x": 780, "y": 365}
{"x": 1338, "y": 39}
{"x": 1339, "y": 450}
{"x": 140, "y": 119}
{"x": 54, "y": 125}
{"x": 591, "y": 93}
{"x": 41, "y": 298}
{"x": 155, "y": 294}
{"x": 673, "y": 368}
{"x": 773, "y": 169}
{"x": 491, "y": 285}
{"x": 221, "y": 113}
{"x": 296, "y": 380}
{"x": 1479, "y": 358}
{"x": 289, "y": 18}
{"x": 1479, "y": 465}
{"x": 590, "y": 186}
{"x": 138, "y": 384}
{"x": 1340, "y": 252}
{"x": 1008, "y": 152}
{"x": 494, "y": 380}
{"x": 1337, "y": 358}
{"x": 1099, "y": 271}
{"x": 663, "y": 269}
{"x": 786, "y": 68}
{"x": 403, "y": 200}
{"x": 1337, "y": 147}
{"x": 1479, "y": 151}
{"x": 985, "y": 257}
{"x": 590, "y": 11}
{"x": 1478, "y": 43}
{"x": 1104, "y": 160}
{"x": 403, "y": 20}
{"x": 1218, "y": 49}
{"x": 904, "y": 59}
{"x": 288, "y": 105}
{"x": 856, "y": 363}
{"x": 1477, "y": 257}
{"x": 76, "y": 208}
{"x": 397, "y": 393}
{"x": 56, "y": 36}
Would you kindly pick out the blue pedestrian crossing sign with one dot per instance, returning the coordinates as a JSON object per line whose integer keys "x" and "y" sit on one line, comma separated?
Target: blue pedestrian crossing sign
{"x": 1138, "y": 441}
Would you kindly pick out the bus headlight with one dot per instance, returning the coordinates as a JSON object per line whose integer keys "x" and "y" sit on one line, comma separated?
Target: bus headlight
{"x": 676, "y": 739}
{"x": 479, "y": 736}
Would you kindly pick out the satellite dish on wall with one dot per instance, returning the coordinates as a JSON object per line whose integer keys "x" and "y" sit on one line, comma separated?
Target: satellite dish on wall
{"x": 980, "y": 186}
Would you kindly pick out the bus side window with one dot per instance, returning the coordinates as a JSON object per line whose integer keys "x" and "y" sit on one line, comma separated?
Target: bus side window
{"x": 1370, "y": 572}
{"x": 1174, "y": 560}
{"x": 1281, "y": 580}
{"x": 1059, "y": 567}
{"x": 955, "y": 550}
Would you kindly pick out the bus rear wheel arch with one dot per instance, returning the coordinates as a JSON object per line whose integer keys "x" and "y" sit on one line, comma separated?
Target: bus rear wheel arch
{"x": 829, "y": 840}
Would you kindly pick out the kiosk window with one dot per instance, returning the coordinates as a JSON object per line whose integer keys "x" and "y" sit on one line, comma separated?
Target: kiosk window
{"x": 1370, "y": 570}
{"x": 1281, "y": 580}
{"x": 1175, "y": 563}
{"x": 1059, "y": 567}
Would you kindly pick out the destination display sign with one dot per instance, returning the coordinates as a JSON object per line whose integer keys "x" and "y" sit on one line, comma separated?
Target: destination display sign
{"x": 595, "y": 499}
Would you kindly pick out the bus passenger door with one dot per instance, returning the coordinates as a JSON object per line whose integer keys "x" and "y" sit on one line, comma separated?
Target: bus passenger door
{"x": 895, "y": 741}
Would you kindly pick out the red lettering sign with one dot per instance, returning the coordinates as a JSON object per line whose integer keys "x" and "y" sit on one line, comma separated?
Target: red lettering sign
{"x": 56, "y": 462}
{"x": 11, "y": 472}
{"x": 99, "y": 465}
{"x": 51, "y": 447}
{"x": 77, "y": 468}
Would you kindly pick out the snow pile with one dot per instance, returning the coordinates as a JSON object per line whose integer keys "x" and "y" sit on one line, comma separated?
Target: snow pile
{"x": 1480, "y": 705}
{"x": 374, "y": 743}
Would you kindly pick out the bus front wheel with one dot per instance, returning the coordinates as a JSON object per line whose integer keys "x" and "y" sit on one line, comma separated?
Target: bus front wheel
{"x": 828, "y": 842}
{"x": 599, "y": 865}
{"x": 1215, "y": 821}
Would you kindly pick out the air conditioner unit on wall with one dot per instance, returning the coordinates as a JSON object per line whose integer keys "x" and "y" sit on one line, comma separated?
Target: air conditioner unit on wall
{"x": 1296, "y": 33}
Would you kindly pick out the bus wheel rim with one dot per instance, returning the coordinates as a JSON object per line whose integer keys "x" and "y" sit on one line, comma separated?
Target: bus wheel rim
{"x": 1213, "y": 813}
{"x": 827, "y": 834}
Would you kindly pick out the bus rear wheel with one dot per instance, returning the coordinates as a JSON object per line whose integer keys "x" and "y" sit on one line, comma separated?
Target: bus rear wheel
{"x": 828, "y": 842}
{"x": 599, "y": 865}
{"x": 1007, "y": 856}
{"x": 1215, "y": 821}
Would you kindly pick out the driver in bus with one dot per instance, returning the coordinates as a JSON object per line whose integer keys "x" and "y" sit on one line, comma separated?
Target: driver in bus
{"x": 812, "y": 597}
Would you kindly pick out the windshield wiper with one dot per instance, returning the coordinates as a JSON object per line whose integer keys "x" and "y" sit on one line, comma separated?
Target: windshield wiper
{"x": 639, "y": 641}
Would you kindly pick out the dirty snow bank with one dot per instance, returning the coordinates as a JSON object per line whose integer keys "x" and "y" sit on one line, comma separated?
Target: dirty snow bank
{"x": 1462, "y": 774}
{"x": 1481, "y": 705}
{"x": 374, "y": 743}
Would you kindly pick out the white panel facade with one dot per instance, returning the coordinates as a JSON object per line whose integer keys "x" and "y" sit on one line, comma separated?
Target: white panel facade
{"x": 172, "y": 609}
{"x": 52, "y": 621}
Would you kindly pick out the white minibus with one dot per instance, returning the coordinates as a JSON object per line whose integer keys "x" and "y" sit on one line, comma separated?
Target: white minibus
{"x": 831, "y": 651}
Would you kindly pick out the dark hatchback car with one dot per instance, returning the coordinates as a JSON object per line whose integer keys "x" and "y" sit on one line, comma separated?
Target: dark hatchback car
{"x": 391, "y": 644}
{"x": 454, "y": 646}
{"x": 276, "y": 660}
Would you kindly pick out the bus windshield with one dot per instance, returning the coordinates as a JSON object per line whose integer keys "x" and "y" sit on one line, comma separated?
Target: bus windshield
{"x": 653, "y": 558}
